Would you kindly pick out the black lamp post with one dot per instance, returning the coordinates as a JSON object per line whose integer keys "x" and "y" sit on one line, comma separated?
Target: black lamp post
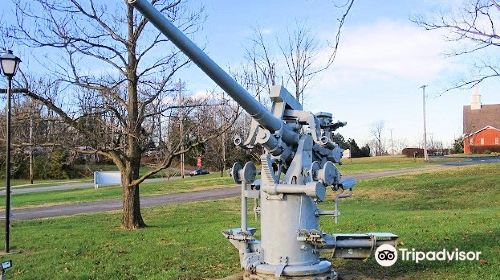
{"x": 9, "y": 64}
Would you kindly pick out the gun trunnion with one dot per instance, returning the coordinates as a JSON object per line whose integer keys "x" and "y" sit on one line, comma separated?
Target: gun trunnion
{"x": 296, "y": 169}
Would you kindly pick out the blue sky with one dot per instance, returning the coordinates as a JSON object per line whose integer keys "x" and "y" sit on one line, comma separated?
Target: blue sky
{"x": 382, "y": 61}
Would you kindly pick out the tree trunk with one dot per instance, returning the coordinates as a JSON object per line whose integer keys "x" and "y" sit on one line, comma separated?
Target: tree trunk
{"x": 132, "y": 218}
{"x": 131, "y": 215}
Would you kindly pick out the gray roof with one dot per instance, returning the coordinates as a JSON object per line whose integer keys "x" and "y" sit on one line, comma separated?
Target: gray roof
{"x": 475, "y": 120}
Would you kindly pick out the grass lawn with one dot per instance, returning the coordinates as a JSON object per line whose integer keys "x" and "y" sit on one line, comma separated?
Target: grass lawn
{"x": 357, "y": 165}
{"x": 90, "y": 194}
{"x": 25, "y": 183}
{"x": 381, "y": 163}
{"x": 448, "y": 209}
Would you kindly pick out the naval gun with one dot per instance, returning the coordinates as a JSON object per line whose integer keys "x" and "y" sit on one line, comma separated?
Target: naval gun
{"x": 297, "y": 168}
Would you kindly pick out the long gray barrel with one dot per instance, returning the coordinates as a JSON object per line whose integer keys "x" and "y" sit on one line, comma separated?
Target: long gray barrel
{"x": 219, "y": 76}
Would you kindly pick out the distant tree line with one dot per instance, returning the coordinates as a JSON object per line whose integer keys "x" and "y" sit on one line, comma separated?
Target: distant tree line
{"x": 356, "y": 151}
{"x": 458, "y": 145}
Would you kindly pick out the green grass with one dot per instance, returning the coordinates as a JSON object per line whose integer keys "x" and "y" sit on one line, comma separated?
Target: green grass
{"x": 359, "y": 165}
{"x": 448, "y": 209}
{"x": 176, "y": 186}
{"x": 349, "y": 165}
{"x": 25, "y": 183}
{"x": 90, "y": 194}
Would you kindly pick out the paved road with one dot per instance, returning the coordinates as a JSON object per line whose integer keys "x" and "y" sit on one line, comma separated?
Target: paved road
{"x": 116, "y": 204}
{"x": 149, "y": 201}
{"x": 474, "y": 160}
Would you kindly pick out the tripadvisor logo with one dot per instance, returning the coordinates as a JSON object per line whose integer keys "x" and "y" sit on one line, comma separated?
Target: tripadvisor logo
{"x": 387, "y": 255}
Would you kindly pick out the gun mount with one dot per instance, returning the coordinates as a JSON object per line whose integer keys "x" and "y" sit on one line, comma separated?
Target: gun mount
{"x": 296, "y": 169}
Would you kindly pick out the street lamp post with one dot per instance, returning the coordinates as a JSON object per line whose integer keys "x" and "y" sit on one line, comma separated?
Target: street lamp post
{"x": 9, "y": 64}
{"x": 426, "y": 156}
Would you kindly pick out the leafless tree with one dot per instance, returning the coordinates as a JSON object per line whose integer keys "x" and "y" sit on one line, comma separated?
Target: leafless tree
{"x": 474, "y": 28}
{"x": 133, "y": 67}
{"x": 434, "y": 144}
{"x": 376, "y": 132}
{"x": 300, "y": 52}
{"x": 35, "y": 131}
{"x": 260, "y": 73}
{"x": 400, "y": 144}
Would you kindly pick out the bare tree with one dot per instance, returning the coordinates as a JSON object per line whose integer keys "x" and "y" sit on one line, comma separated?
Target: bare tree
{"x": 133, "y": 67}
{"x": 34, "y": 131}
{"x": 400, "y": 144}
{"x": 376, "y": 132}
{"x": 260, "y": 74}
{"x": 434, "y": 144}
{"x": 473, "y": 27}
{"x": 300, "y": 52}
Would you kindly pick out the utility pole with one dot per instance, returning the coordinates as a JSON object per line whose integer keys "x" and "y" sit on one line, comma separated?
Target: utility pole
{"x": 160, "y": 136}
{"x": 392, "y": 144}
{"x": 31, "y": 143}
{"x": 182, "y": 148}
{"x": 181, "y": 130}
{"x": 168, "y": 137}
{"x": 223, "y": 137}
{"x": 426, "y": 156}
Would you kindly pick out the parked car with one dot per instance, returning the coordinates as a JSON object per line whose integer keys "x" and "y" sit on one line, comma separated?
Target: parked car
{"x": 198, "y": 172}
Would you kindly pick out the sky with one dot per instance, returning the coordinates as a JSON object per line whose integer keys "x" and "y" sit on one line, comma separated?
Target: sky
{"x": 382, "y": 62}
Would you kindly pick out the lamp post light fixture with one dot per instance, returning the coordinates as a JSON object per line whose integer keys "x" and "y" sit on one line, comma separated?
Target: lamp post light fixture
{"x": 9, "y": 64}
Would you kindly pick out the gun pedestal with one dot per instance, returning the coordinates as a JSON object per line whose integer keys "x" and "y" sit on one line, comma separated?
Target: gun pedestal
{"x": 297, "y": 167}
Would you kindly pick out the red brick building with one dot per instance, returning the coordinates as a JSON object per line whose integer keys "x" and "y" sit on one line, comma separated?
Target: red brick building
{"x": 486, "y": 139}
{"x": 481, "y": 125}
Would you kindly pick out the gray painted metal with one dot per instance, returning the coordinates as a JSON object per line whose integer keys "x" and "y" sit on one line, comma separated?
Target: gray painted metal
{"x": 297, "y": 168}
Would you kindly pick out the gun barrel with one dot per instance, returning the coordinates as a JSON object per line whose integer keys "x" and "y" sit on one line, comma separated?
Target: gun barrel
{"x": 263, "y": 116}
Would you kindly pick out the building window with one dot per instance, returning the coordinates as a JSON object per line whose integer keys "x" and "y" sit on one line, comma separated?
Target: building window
{"x": 497, "y": 141}
{"x": 482, "y": 141}
{"x": 471, "y": 141}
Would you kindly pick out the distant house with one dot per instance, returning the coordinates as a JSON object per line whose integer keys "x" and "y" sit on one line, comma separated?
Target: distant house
{"x": 481, "y": 126}
{"x": 419, "y": 152}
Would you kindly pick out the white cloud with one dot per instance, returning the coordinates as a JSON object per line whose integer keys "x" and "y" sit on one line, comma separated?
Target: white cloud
{"x": 167, "y": 100}
{"x": 388, "y": 50}
{"x": 376, "y": 76}
{"x": 200, "y": 95}
{"x": 266, "y": 31}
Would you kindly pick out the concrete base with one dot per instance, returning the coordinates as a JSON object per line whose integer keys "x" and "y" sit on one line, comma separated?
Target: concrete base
{"x": 332, "y": 275}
